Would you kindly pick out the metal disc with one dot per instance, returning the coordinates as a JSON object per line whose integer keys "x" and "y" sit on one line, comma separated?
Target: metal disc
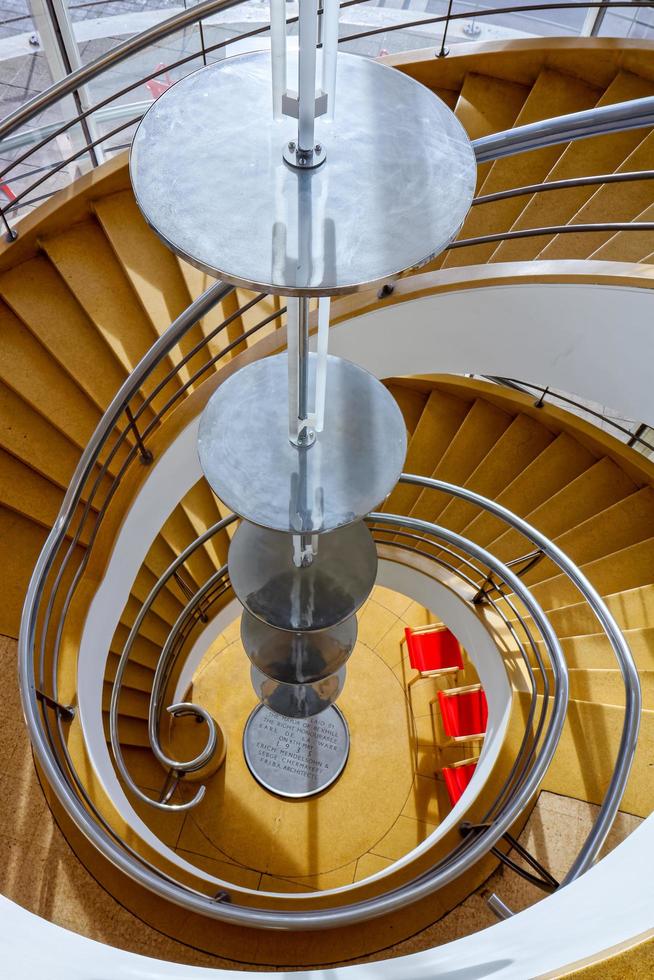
{"x": 297, "y": 658}
{"x": 208, "y": 174}
{"x": 297, "y": 700}
{"x": 312, "y": 597}
{"x": 350, "y": 469}
{"x": 293, "y": 757}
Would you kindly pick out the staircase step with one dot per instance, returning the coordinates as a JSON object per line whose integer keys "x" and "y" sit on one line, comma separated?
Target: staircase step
{"x": 607, "y": 686}
{"x": 488, "y": 105}
{"x": 519, "y": 445}
{"x": 63, "y": 328}
{"x": 34, "y": 440}
{"x": 483, "y": 425}
{"x": 594, "y": 653}
{"x": 411, "y": 402}
{"x": 629, "y": 568}
{"x": 561, "y": 462}
{"x": 144, "y": 653}
{"x": 596, "y": 489}
{"x": 151, "y": 268}
{"x": 586, "y": 754}
{"x": 131, "y": 731}
{"x": 22, "y": 542}
{"x": 27, "y": 367}
{"x": 633, "y": 609}
{"x": 136, "y": 676}
{"x": 552, "y": 94}
{"x": 153, "y": 628}
{"x": 22, "y": 489}
{"x": 132, "y": 703}
{"x": 89, "y": 266}
{"x": 201, "y": 509}
{"x": 441, "y": 418}
{"x": 611, "y": 202}
{"x": 629, "y": 246}
{"x": 619, "y": 526}
{"x": 179, "y": 533}
{"x": 166, "y": 605}
{"x": 598, "y": 155}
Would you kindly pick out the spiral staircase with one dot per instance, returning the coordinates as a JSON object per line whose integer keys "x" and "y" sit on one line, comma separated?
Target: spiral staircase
{"x": 520, "y": 511}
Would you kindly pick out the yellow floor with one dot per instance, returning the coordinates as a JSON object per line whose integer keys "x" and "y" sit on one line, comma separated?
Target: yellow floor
{"x": 386, "y": 801}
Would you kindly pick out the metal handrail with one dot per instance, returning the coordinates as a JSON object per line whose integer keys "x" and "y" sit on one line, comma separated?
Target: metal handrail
{"x": 520, "y": 139}
{"x": 170, "y": 653}
{"x": 527, "y": 388}
{"x": 44, "y": 746}
{"x": 607, "y": 227}
{"x": 623, "y": 655}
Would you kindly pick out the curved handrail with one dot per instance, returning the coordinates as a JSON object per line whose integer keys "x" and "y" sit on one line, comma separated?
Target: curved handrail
{"x": 109, "y": 846}
{"x": 170, "y": 652}
{"x": 622, "y": 116}
{"x": 528, "y": 388}
{"x": 623, "y": 655}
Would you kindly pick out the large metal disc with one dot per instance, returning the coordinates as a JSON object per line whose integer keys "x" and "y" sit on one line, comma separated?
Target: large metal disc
{"x": 313, "y": 597}
{"x": 297, "y": 700}
{"x": 252, "y": 466}
{"x": 297, "y": 658}
{"x": 209, "y": 177}
{"x": 295, "y": 757}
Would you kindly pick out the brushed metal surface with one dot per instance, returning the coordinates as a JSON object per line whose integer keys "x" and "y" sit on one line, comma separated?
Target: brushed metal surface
{"x": 297, "y": 658}
{"x": 296, "y": 758}
{"x": 350, "y": 469}
{"x": 208, "y": 174}
{"x": 312, "y": 597}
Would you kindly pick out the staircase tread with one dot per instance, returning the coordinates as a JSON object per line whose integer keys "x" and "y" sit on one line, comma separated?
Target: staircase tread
{"x": 597, "y": 155}
{"x": 552, "y": 94}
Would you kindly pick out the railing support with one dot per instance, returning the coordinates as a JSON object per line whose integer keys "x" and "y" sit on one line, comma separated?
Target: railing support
{"x": 65, "y": 711}
{"x": 541, "y": 876}
{"x": 145, "y": 454}
{"x": 445, "y": 51}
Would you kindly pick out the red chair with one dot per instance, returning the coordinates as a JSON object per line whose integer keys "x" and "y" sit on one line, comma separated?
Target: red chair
{"x": 433, "y": 650}
{"x": 457, "y": 778}
{"x": 464, "y": 712}
{"x": 157, "y": 88}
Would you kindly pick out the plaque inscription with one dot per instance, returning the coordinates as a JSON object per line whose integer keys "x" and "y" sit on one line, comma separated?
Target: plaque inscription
{"x": 296, "y": 757}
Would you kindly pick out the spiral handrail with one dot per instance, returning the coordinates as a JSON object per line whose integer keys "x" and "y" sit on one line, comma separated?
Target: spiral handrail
{"x": 628, "y": 115}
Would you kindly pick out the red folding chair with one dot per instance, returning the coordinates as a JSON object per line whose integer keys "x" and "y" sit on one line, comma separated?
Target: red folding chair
{"x": 464, "y": 711}
{"x": 433, "y": 650}
{"x": 156, "y": 87}
{"x": 457, "y": 778}
{"x": 7, "y": 191}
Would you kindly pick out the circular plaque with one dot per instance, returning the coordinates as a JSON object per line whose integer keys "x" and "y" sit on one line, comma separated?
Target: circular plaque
{"x": 310, "y": 597}
{"x": 297, "y": 700}
{"x": 208, "y": 173}
{"x": 293, "y": 657}
{"x": 294, "y": 757}
{"x": 249, "y": 462}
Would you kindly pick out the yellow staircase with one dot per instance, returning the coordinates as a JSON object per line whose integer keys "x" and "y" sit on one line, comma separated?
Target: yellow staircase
{"x": 87, "y": 289}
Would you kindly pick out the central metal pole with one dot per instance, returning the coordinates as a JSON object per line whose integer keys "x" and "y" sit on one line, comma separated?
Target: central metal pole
{"x": 308, "y": 38}
{"x": 303, "y": 372}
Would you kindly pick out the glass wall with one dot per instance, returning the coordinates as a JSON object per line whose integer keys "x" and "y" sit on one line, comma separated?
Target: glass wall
{"x": 34, "y": 52}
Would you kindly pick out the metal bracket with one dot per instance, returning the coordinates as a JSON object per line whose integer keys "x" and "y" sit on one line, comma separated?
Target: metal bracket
{"x": 188, "y": 592}
{"x": 146, "y": 455}
{"x": 488, "y": 585}
{"x": 541, "y": 878}
{"x": 67, "y": 711}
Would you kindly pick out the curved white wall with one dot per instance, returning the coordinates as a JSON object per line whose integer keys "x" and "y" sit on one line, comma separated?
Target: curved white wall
{"x": 608, "y": 906}
{"x": 593, "y": 341}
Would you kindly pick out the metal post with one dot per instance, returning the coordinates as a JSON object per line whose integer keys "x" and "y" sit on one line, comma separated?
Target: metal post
{"x": 307, "y": 37}
{"x": 445, "y": 51}
{"x": 56, "y": 31}
{"x": 146, "y": 455}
